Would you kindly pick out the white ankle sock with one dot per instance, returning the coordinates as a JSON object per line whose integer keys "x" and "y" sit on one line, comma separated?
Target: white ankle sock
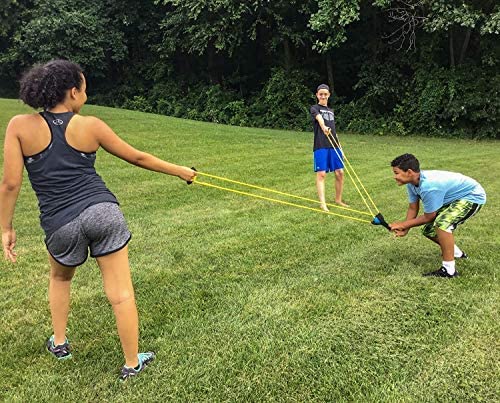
{"x": 449, "y": 266}
{"x": 456, "y": 251}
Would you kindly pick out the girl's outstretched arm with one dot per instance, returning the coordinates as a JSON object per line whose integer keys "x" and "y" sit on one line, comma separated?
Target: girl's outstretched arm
{"x": 112, "y": 143}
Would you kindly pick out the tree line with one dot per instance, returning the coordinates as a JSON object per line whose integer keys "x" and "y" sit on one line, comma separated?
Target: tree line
{"x": 428, "y": 67}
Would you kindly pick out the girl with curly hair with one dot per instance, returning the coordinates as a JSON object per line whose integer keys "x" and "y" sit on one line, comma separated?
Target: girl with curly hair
{"x": 78, "y": 213}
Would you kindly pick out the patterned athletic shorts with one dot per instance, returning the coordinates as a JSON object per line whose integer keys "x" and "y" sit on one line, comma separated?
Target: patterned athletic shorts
{"x": 100, "y": 228}
{"x": 451, "y": 215}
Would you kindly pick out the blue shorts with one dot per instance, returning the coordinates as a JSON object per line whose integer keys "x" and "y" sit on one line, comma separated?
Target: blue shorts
{"x": 328, "y": 159}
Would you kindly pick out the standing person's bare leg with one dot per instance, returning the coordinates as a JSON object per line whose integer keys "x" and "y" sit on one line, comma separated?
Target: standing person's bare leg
{"x": 320, "y": 187}
{"x": 119, "y": 290}
{"x": 457, "y": 252}
{"x": 446, "y": 241}
{"x": 339, "y": 187}
{"x": 59, "y": 298}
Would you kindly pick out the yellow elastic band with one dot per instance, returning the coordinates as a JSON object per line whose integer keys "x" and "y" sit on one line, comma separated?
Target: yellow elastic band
{"x": 282, "y": 193}
{"x": 278, "y": 201}
{"x": 357, "y": 178}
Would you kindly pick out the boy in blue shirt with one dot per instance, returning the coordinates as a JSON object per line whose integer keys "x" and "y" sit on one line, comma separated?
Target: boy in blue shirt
{"x": 448, "y": 199}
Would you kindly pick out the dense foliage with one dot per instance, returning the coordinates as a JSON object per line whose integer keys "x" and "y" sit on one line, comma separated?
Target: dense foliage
{"x": 400, "y": 67}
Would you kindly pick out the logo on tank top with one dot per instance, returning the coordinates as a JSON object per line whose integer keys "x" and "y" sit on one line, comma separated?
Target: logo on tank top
{"x": 57, "y": 122}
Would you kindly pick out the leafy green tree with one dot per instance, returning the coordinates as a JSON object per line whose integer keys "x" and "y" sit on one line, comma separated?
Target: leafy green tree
{"x": 460, "y": 20}
{"x": 10, "y": 12}
{"x": 330, "y": 23}
{"x": 332, "y": 18}
{"x": 207, "y": 29}
{"x": 227, "y": 29}
{"x": 59, "y": 29}
{"x": 11, "y": 17}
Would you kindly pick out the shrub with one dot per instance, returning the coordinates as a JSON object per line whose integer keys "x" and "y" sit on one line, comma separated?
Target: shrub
{"x": 284, "y": 101}
{"x": 238, "y": 113}
{"x": 463, "y": 101}
{"x": 139, "y": 103}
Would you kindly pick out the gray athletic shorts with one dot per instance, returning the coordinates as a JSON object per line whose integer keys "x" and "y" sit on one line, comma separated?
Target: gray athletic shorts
{"x": 100, "y": 228}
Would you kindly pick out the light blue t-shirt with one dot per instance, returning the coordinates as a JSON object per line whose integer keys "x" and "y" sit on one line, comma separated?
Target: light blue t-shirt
{"x": 440, "y": 188}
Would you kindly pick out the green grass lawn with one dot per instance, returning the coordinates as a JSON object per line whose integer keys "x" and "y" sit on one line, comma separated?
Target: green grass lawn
{"x": 248, "y": 300}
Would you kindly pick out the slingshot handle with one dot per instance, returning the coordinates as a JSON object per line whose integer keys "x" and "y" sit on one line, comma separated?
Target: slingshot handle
{"x": 379, "y": 220}
{"x": 190, "y": 182}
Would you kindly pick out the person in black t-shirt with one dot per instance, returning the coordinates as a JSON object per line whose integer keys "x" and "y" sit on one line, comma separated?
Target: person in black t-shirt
{"x": 326, "y": 157}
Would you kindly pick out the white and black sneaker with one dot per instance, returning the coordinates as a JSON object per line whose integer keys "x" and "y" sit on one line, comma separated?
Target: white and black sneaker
{"x": 441, "y": 272}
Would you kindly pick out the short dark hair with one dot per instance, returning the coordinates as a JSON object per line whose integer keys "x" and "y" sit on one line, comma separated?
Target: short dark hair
{"x": 45, "y": 85}
{"x": 405, "y": 162}
{"x": 323, "y": 87}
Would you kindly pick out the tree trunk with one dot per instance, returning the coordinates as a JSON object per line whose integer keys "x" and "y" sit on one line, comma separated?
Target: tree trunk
{"x": 452, "y": 49}
{"x": 212, "y": 65}
{"x": 465, "y": 45}
{"x": 329, "y": 69}
{"x": 288, "y": 54}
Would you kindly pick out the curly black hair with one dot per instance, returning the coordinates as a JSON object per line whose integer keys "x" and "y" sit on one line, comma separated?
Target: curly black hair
{"x": 405, "y": 162}
{"x": 45, "y": 85}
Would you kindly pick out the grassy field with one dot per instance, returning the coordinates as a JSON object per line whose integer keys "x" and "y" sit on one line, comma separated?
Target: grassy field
{"x": 248, "y": 300}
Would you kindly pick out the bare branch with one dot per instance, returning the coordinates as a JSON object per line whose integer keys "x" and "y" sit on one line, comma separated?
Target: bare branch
{"x": 409, "y": 16}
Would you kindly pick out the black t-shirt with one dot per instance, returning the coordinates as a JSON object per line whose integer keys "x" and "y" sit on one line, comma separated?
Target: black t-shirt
{"x": 320, "y": 140}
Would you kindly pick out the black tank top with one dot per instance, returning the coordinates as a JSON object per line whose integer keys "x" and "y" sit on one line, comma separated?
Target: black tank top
{"x": 63, "y": 178}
